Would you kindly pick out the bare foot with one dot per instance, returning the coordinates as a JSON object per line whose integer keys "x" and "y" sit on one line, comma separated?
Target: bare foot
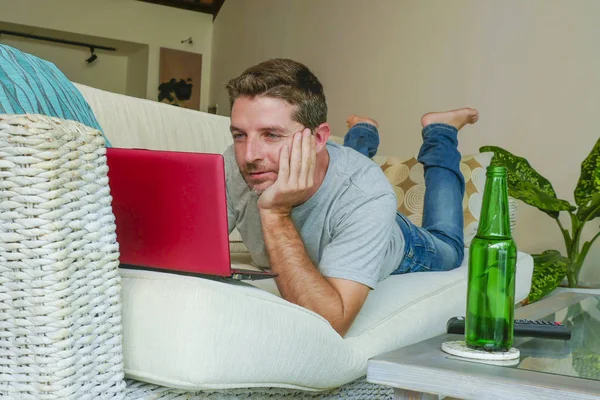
{"x": 355, "y": 119}
{"x": 456, "y": 118}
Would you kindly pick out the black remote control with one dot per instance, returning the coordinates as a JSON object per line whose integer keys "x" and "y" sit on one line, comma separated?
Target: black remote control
{"x": 523, "y": 327}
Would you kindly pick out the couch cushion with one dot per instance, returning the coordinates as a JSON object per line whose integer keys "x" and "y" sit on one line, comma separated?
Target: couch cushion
{"x": 198, "y": 334}
{"x": 138, "y": 123}
{"x": 30, "y": 85}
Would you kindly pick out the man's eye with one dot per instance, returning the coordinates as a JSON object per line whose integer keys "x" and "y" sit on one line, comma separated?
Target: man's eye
{"x": 273, "y": 136}
{"x": 237, "y": 136}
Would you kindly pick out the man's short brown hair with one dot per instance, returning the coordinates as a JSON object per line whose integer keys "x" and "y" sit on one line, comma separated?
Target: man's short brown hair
{"x": 287, "y": 80}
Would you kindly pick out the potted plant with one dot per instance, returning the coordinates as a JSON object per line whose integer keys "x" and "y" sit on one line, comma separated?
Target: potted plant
{"x": 527, "y": 185}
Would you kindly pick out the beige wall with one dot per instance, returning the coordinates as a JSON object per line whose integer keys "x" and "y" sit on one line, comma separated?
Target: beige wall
{"x": 137, "y": 73}
{"x": 531, "y": 68}
{"x": 108, "y": 72}
{"x": 127, "y": 20}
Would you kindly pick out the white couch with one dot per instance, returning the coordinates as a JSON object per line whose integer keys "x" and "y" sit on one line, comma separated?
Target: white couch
{"x": 198, "y": 334}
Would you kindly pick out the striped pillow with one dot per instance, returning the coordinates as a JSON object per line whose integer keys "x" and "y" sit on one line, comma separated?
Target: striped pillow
{"x": 30, "y": 85}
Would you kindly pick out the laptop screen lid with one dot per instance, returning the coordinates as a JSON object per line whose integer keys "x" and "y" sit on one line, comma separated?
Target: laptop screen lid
{"x": 170, "y": 210}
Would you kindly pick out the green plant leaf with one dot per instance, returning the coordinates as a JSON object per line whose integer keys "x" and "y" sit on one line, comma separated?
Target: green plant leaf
{"x": 587, "y": 191}
{"x": 591, "y": 210}
{"x": 526, "y": 184}
{"x": 549, "y": 269}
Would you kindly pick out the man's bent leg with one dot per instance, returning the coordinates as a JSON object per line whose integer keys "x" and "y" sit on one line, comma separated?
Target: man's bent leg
{"x": 439, "y": 244}
{"x": 445, "y": 187}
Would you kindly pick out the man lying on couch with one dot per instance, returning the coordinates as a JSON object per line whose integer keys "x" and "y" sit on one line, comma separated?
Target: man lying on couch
{"x": 321, "y": 215}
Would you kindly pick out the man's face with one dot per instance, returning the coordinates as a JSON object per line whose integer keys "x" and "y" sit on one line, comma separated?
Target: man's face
{"x": 260, "y": 127}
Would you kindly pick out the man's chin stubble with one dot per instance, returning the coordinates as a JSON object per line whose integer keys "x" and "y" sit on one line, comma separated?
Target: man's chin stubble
{"x": 256, "y": 190}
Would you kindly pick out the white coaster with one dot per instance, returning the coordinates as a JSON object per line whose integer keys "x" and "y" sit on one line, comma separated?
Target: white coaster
{"x": 460, "y": 349}
{"x": 499, "y": 363}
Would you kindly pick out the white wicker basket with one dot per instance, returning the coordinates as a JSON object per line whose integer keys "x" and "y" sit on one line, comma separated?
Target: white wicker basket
{"x": 60, "y": 317}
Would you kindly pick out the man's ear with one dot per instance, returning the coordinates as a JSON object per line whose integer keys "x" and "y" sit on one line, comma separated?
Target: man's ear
{"x": 322, "y": 133}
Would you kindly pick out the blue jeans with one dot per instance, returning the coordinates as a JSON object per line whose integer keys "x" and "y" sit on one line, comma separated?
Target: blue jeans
{"x": 438, "y": 245}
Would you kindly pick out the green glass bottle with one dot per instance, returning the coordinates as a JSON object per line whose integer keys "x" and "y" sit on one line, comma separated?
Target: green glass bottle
{"x": 489, "y": 321}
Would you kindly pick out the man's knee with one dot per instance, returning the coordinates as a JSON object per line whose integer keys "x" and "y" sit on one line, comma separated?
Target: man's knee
{"x": 460, "y": 254}
{"x": 452, "y": 252}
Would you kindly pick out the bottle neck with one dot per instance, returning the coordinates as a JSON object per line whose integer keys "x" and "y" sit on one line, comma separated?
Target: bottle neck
{"x": 495, "y": 219}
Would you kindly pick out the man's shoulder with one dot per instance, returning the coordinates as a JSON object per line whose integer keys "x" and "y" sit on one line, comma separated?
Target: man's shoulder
{"x": 360, "y": 171}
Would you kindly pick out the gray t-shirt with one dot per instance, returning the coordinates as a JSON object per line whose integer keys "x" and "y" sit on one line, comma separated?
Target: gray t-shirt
{"x": 348, "y": 226}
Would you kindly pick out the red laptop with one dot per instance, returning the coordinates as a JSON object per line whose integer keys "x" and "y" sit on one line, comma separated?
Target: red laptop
{"x": 171, "y": 212}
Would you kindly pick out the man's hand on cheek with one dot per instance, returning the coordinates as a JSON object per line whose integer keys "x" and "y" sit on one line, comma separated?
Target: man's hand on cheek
{"x": 295, "y": 178}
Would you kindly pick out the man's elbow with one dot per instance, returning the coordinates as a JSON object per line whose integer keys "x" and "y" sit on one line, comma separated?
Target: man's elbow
{"x": 341, "y": 325}
{"x": 342, "y": 330}
{"x": 337, "y": 317}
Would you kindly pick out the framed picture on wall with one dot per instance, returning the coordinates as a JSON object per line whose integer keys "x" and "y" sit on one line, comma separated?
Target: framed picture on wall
{"x": 180, "y": 74}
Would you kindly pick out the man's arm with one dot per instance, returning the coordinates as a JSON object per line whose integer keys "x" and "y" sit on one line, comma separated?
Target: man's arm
{"x": 299, "y": 281}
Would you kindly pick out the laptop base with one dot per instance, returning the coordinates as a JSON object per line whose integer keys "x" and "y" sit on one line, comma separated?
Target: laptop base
{"x": 237, "y": 274}
{"x": 250, "y": 274}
